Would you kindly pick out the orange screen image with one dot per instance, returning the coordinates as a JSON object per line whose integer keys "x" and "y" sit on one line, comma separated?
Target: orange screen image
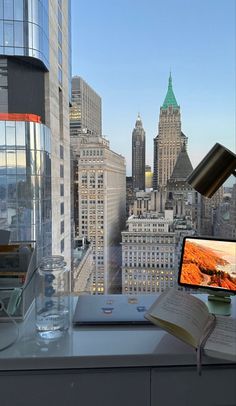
{"x": 209, "y": 263}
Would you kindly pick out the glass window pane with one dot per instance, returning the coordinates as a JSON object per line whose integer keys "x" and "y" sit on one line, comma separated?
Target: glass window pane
{"x": 18, "y": 34}
{"x": 2, "y": 134}
{"x": 22, "y": 192}
{"x": 11, "y": 161}
{"x": 8, "y": 9}
{"x": 2, "y": 162}
{"x": 11, "y": 187}
{"x": 32, "y": 162}
{"x": 38, "y": 163}
{"x": 35, "y": 36}
{"x": 10, "y": 134}
{"x": 41, "y": 138}
{"x": 21, "y": 161}
{"x": 29, "y": 10}
{"x": 18, "y": 9}
{"x": 3, "y": 190}
{"x": 20, "y": 134}
{"x": 1, "y": 32}
{"x": 30, "y": 35}
{"x": 32, "y": 137}
{"x": 1, "y": 8}
{"x": 37, "y": 136}
{"x": 8, "y": 33}
{"x": 35, "y": 11}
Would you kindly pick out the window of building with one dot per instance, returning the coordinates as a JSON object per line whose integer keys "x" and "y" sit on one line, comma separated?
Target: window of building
{"x": 62, "y": 208}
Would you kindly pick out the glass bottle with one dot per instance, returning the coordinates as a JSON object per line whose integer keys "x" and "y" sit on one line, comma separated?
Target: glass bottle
{"x": 52, "y": 297}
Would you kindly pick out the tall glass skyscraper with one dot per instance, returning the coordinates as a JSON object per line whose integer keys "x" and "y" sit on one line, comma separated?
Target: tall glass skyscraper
{"x": 34, "y": 122}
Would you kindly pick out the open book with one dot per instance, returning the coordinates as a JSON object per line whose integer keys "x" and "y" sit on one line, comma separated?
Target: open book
{"x": 188, "y": 318}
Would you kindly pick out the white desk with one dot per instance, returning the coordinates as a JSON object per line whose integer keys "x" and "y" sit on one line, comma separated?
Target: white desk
{"x": 110, "y": 366}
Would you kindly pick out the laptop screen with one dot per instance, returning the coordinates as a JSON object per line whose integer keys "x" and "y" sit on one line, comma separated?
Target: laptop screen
{"x": 208, "y": 263}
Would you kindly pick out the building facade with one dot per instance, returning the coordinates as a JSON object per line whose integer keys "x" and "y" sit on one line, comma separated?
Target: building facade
{"x": 224, "y": 218}
{"x": 86, "y": 109}
{"x": 83, "y": 266}
{"x": 34, "y": 135}
{"x": 168, "y": 142}
{"x": 101, "y": 205}
{"x": 149, "y": 258}
{"x": 209, "y": 209}
{"x": 138, "y": 155}
{"x": 180, "y": 196}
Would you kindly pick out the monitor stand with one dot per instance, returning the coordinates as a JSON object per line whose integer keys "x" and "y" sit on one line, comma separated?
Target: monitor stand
{"x": 219, "y": 305}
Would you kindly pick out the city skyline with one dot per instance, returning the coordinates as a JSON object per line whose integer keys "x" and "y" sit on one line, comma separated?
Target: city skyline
{"x": 129, "y": 52}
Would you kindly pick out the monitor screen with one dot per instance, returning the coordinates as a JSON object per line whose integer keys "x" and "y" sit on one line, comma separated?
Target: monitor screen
{"x": 208, "y": 263}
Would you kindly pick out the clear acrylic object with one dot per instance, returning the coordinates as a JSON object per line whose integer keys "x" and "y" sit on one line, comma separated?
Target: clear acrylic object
{"x": 52, "y": 298}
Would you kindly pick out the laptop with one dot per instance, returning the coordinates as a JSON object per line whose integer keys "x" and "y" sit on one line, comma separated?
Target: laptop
{"x": 112, "y": 309}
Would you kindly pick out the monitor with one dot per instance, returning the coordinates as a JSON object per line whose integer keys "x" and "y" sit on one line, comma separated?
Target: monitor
{"x": 209, "y": 264}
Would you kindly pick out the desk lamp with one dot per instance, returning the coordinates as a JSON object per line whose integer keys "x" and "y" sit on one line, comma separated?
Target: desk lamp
{"x": 206, "y": 179}
{"x": 213, "y": 170}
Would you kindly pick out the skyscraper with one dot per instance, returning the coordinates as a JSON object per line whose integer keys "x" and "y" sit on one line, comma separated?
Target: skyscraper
{"x": 138, "y": 155}
{"x": 101, "y": 204}
{"x": 34, "y": 121}
{"x": 149, "y": 259}
{"x": 86, "y": 109}
{"x": 168, "y": 142}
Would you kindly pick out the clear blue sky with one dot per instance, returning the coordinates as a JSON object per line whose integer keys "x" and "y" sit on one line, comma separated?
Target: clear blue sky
{"x": 124, "y": 49}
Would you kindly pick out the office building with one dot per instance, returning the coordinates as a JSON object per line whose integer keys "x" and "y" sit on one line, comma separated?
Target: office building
{"x": 209, "y": 208}
{"x": 129, "y": 195}
{"x": 86, "y": 109}
{"x": 34, "y": 120}
{"x": 138, "y": 155}
{"x": 169, "y": 140}
{"x": 100, "y": 217}
{"x": 224, "y": 218}
{"x": 180, "y": 196}
{"x": 149, "y": 258}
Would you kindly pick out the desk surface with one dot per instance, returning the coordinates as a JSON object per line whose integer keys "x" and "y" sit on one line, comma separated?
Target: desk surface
{"x": 95, "y": 347}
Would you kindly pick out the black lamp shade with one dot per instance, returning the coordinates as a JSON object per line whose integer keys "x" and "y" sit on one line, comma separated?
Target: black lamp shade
{"x": 213, "y": 170}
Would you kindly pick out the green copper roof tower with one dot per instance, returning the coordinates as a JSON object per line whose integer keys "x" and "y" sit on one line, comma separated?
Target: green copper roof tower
{"x": 170, "y": 99}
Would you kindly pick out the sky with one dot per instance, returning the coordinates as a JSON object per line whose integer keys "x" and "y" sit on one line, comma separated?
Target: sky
{"x": 125, "y": 50}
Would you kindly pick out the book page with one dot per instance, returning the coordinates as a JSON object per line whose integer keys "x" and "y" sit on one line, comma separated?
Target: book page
{"x": 222, "y": 341}
{"x": 178, "y": 308}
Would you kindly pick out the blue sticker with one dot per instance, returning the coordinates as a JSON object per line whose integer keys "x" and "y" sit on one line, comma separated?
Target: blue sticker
{"x": 107, "y": 310}
{"x": 141, "y": 308}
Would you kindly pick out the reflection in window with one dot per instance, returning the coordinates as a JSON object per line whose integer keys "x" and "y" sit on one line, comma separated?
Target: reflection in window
{"x": 10, "y": 134}
{"x": 2, "y": 162}
{"x": 35, "y": 36}
{"x": 11, "y": 187}
{"x": 1, "y": 32}
{"x": 18, "y": 10}
{"x": 8, "y": 33}
{"x": 8, "y": 9}
{"x": 18, "y": 34}
{"x": 21, "y": 161}
{"x": 3, "y": 191}
{"x": 20, "y": 134}
{"x": 2, "y": 133}
{"x": 11, "y": 161}
{"x": 1, "y": 9}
